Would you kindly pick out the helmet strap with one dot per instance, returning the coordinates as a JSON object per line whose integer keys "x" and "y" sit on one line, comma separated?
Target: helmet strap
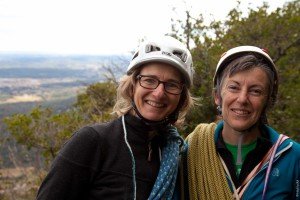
{"x": 239, "y": 160}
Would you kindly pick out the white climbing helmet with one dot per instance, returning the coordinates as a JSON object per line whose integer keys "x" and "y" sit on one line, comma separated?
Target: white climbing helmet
{"x": 167, "y": 50}
{"x": 226, "y": 57}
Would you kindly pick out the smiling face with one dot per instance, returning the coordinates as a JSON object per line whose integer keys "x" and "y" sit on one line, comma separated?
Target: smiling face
{"x": 156, "y": 104}
{"x": 243, "y": 99}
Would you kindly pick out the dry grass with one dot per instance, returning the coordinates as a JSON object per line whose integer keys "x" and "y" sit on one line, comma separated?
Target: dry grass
{"x": 19, "y": 183}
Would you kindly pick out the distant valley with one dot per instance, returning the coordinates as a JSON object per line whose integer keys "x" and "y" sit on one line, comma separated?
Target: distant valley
{"x": 50, "y": 80}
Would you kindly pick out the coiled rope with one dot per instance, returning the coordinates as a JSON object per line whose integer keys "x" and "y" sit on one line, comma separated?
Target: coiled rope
{"x": 207, "y": 179}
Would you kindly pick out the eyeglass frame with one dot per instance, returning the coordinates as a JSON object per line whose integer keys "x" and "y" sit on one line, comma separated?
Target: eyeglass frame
{"x": 181, "y": 85}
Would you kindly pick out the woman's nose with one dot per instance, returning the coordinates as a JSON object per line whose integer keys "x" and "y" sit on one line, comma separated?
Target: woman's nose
{"x": 159, "y": 91}
{"x": 242, "y": 96}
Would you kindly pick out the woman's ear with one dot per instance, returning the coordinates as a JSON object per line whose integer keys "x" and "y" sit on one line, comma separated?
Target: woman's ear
{"x": 218, "y": 102}
{"x": 217, "y": 99}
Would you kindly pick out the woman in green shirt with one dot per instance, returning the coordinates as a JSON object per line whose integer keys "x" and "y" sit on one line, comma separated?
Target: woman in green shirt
{"x": 242, "y": 157}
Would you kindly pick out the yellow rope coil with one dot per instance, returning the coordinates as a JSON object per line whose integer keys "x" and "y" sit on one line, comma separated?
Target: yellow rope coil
{"x": 206, "y": 177}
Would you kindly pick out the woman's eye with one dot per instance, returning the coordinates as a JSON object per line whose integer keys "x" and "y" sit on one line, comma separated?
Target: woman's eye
{"x": 149, "y": 80}
{"x": 256, "y": 92}
{"x": 232, "y": 88}
{"x": 172, "y": 85}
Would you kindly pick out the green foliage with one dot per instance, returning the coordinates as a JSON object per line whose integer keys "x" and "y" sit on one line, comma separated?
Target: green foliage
{"x": 97, "y": 101}
{"x": 47, "y": 131}
{"x": 42, "y": 129}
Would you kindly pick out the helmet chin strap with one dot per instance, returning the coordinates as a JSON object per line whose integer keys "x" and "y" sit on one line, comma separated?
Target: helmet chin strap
{"x": 239, "y": 159}
{"x": 171, "y": 119}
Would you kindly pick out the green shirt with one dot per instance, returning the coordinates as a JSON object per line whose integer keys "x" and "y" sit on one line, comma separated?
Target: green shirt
{"x": 234, "y": 151}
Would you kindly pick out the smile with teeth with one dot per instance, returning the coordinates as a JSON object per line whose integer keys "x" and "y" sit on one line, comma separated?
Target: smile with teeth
{"x": 240, "y": 112}
{"x": 155, "y": 104}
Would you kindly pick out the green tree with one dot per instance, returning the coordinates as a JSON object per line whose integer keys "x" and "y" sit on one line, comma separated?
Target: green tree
{"x": 42, "y": 129}
{"x": 96, "y": 103}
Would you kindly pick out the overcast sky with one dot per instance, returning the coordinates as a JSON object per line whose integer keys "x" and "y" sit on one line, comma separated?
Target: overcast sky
{"x": 97, "y": 26}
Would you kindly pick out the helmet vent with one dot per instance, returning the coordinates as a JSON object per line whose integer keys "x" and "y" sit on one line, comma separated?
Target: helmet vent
{"x": 150, "y": 48}
{"x": 181, "y": 55}
{"x": 135, "y": 55}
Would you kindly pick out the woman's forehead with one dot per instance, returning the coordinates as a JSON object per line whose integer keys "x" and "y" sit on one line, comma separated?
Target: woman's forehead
{"x": 254, "y": 76}
{"x": 161, "y": 70}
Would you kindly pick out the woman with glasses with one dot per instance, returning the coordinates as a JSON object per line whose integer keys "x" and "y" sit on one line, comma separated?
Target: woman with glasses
{"x": 135, "y": 156}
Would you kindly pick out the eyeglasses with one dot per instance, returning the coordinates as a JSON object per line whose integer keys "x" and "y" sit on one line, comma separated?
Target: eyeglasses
{"x": 150, "y": 82}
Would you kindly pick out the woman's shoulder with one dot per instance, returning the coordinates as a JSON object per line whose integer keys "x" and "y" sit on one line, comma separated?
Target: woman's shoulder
{"x": 86, "y": 144}
{"x": 202, "y": 128}
{"x": 102, "y": 129}
{"x": 93, "y": 130}
{"x": 295, "y": 147}
{"x": 90, "y": 136}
